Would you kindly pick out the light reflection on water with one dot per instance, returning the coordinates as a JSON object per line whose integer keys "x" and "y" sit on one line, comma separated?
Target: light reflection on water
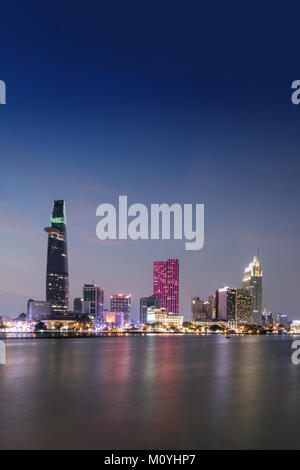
{"x": 152, "y": 392}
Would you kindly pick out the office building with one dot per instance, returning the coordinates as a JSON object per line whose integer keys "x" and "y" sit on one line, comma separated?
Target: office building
{"x": 145, "y": 303}
{"x": 121, "y": 303}
{"x": 166, "y": 284}
{"x": 252, "y": 282}
{"x": 38, "y": 310}
{"x": 57, "y": 278}
{"x": 93, "y": 301}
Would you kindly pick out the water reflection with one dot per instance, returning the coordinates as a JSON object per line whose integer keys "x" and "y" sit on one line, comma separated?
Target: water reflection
{"x": 149, "y": 392}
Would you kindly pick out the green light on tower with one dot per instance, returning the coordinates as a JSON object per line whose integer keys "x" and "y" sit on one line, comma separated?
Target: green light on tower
{"x": 58, "y": 220}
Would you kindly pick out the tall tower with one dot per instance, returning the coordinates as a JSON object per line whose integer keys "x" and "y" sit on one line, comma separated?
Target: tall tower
{"x": 252, "y": 282}
{"x": 166, "y": 284}
{"x": 57, "y": 278}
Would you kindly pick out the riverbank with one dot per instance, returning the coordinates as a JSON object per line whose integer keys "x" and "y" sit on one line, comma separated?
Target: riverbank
{"x": 106, "y": 334}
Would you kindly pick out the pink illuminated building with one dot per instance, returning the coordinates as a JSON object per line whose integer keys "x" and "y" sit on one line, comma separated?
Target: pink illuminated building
{"x": 166, "y": 284}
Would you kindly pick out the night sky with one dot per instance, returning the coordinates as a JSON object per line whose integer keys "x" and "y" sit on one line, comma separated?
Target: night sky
{"x": 162, "y": 102}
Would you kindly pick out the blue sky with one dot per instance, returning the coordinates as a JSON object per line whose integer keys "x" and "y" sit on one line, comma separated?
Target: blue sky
{"x": 163, "y": 102}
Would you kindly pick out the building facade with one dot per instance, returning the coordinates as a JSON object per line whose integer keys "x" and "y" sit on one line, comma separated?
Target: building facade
{"x": 78, "y": 305}
{"x": 166, "y": 284}
{"x": 57, "y": 277}
{"x": 38, "y": 310}
{"x": 243, "y": 307}
{"x": 121, "y": 303}
{"x": 233, "y": 305}
{"x": 198, "y": 313}
{"x": 93, "y": 301}
{"x": 114, "y": 318}
{"x": 145, "y": 303}
{"x": 160, "y": 316}
{"x": 252, "y": 283}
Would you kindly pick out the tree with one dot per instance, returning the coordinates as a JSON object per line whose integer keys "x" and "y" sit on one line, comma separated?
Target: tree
{"x": 22, "y": 317}
{"x": 188, "y": 324}
{"x": 40, "y": 326}
{"x": 84, "y": 321}
{"x": 217, "y": 327}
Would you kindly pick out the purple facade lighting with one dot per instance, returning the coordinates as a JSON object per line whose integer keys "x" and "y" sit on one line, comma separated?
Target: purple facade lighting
{"x": 166, "y": 284}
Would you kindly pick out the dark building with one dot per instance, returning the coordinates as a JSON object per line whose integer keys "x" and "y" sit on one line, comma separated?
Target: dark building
{"x": 231, "y": 304}
{"x": 244, "y": 307}
{"x": 93, "y": 301}
{"x": 78, "y": 302}
{"x": 198, "y": 313}
{"x": 57, "y": 279}
{"x": 201, "y": 311}
{"x": 148, "y": 302}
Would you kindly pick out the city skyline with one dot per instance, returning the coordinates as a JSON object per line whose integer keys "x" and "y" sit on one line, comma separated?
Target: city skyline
{"x": 165, "y": 278}
{"x": 244, "y": 303}
{"x": 156, "y": 121}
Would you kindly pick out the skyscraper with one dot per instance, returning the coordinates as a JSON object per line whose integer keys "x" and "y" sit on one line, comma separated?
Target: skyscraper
{"x": 57, "y": 278}
{"x": 225, "y": 304}
{"x": 252, "y": 282}
{"x": 93, "y": 301}
{"x": 166, "y": 284}
{"x": 121, "y": 303}
{"x": 243, "y": 306}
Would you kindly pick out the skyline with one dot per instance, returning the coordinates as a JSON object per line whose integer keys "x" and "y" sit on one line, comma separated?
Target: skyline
{"x": 176, "y": 116}
{"x": 165, "y": 276}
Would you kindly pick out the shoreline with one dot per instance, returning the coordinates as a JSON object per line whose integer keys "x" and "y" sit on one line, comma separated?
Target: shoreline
{"x": 50, "y": 335}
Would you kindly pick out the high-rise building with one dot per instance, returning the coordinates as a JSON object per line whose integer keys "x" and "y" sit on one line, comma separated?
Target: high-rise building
{"x": 121, "y": 303}
{"x": 93, "y": 301}
{"x": 57, "y": 279}
{"x": 222, "y": 304}
{"x": 198, "y": 313}
{"x": 147, "y": 302}
{"x": 202, "y": 310}
{"x": 208, "y": 308}
{"x": 243, "y": 307}
{"x": 252, "y": 282}
{"x": 78, "y": 305}
{"x": 166, "y": 284}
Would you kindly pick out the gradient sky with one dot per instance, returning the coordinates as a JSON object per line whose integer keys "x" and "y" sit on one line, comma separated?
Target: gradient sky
{"x": 163, "y": 102}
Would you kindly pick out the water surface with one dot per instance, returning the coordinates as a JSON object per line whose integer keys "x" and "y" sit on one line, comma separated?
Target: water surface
{"x": 151, "y": 392}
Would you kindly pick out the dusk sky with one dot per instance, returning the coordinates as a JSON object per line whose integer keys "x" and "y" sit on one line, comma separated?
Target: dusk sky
{"x": 163, "y": 104}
